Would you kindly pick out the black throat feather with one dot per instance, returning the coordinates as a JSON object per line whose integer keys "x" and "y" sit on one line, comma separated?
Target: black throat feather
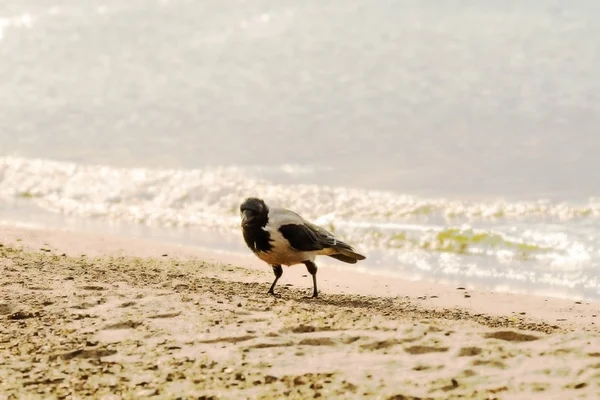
{"x": 257, "y": 239}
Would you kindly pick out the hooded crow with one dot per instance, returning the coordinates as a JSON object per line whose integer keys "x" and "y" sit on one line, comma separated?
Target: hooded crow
{"x": 281, "y": 237}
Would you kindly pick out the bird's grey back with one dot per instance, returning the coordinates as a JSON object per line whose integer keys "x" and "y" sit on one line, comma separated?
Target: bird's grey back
{"x": 282, "y": 216}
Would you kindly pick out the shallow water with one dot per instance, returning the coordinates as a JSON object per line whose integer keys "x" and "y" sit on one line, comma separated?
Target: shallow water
{"x": 453, "y": 141}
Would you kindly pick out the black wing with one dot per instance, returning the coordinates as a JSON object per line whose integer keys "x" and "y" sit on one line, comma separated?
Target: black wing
{"x": 304, "y": 237}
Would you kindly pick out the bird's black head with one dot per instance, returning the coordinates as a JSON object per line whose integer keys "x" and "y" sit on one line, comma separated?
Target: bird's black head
{"x": 254, "y": 212}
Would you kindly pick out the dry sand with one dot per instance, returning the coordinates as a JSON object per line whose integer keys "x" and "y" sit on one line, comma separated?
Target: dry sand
{"x": 86, "y": 315}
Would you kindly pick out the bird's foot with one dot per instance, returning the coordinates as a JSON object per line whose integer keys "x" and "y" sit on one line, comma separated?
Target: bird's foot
{"x": 276, "y": 295}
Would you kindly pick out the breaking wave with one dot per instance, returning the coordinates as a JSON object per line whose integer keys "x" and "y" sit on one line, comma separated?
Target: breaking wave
{"x": 209, "y": 198}
{"x": 188, "y": 197}
{"x": 489, "y": 240}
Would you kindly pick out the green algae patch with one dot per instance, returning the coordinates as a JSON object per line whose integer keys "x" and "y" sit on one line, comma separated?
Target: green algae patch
{"x": 460, "y": 241}
{"x": 27, "y": 195}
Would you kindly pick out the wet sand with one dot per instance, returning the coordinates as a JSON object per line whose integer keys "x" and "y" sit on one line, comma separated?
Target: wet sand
{"x": 107, "y": 317}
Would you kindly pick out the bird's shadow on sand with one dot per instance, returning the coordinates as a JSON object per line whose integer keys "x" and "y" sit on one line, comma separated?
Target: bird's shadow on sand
{"x": 403, "y": 307}
{"x": 342, "y": 300}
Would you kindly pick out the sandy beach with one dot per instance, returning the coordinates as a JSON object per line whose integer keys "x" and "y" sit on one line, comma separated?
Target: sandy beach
{"x": 86, "y": 315}
{"x": 452, "y": 143}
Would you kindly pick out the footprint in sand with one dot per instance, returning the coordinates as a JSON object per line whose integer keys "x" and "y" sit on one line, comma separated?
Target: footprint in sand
{"x": 270, "y": 345}
{"x": 425, "y": 349}
{"x": 93, "y": 287}
{"x": 407, "y": 397}
{"x": 85, "y": 305}
{"x": 579, "y": 385}
{"x": 469, "y": 351}
{"x": 122, "y": 325}
{"x": 380, "y": 344}
{"x": 228, "y": 339}
{"x": 510, "y": 336}
{"x": 21, "y": 315}
{"x": 490, "y": 363}
{"x": 166, "y": 315}
{"x": 426, "y": 367}
{"x": 118, "y": 332}
{"x": 85, "y": 353}
{"x": 351, "y": 339}
{"x": 323, "y": 341}
{"x": 301, "y": 329}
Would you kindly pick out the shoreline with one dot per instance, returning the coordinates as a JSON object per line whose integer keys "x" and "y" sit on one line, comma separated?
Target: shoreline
{"x": 115, "y": 317}
{"x": 378, "y": 263}
{"x": 561, "y": 313}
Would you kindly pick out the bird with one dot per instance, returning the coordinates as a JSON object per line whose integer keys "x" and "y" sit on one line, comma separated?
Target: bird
{"x": 279, "y": 236}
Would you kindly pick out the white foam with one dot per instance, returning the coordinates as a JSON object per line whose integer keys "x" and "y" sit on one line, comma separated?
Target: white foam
{"x": 212, "y": 196}
{"x": 505, "y": 241}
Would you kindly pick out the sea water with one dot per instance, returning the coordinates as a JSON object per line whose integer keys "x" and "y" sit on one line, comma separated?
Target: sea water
{"x": 452, "y": 141}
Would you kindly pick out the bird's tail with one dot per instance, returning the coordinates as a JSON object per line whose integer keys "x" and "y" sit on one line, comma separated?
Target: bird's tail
{"x": 346, "y": 253}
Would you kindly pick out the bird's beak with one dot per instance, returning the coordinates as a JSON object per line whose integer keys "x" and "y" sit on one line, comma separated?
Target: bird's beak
{"x": 246, "y": 218}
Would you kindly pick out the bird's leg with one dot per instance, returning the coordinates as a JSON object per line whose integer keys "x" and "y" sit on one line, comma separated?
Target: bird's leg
{"x": 278, "y": 271}
{"x": 312, "y": 269}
